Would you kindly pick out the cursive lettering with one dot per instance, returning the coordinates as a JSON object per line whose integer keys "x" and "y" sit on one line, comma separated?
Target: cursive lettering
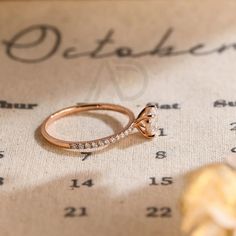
{"x": 47, "y": 42}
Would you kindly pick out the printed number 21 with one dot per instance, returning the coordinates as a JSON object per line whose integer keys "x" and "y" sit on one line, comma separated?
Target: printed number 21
{"x": 75, "y": 212}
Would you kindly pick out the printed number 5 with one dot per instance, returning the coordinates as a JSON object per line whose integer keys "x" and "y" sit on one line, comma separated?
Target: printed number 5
{"x": 1, "y": 181}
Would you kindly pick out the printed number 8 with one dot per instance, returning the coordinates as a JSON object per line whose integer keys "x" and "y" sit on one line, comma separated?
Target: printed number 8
{"x": 161, "y": 155}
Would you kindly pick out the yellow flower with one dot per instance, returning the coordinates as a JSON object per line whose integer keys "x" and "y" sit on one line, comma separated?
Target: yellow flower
{"x": 209, "y": 202}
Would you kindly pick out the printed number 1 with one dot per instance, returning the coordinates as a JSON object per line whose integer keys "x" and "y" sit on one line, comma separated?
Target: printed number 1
{"x": 162, "y": 132}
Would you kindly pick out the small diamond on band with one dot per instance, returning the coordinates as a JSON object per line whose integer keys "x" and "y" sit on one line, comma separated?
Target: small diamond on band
{"x": 73, "y": 146}
{"x": 100, "y": 143}
{"x": 112, "y": 140}
{"x": 94, "y": 145}
{"x": 107, "y": 141}
{"x": 87, "y": 145}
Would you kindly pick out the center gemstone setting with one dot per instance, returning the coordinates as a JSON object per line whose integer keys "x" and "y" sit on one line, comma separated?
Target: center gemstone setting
{"x": 146, "y": 121}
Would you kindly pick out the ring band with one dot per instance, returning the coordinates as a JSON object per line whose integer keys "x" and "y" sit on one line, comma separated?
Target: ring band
{"x": 146, "y": 123}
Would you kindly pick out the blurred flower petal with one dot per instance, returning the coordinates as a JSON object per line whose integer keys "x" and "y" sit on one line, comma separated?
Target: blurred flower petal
{"x": 209, "y": 202}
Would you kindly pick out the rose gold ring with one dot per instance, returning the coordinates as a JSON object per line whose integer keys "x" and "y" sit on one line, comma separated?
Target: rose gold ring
{"x": 146, "y": 123}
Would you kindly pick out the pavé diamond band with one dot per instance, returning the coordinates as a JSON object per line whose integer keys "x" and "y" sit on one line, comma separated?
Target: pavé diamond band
{"x": 146, "y": 123}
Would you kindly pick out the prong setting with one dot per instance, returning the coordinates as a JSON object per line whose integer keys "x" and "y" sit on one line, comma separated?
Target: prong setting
{"x": 146, "y": 121}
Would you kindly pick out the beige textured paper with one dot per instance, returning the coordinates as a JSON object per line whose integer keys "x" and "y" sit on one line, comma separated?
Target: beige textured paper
{"x": 35, "y": 192}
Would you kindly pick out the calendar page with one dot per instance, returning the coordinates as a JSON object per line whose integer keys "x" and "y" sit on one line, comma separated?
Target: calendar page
{"x": 178, "y": 55}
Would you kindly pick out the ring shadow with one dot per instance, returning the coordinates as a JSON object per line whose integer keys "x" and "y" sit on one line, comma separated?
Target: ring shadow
{"x": 105, "y": 209}
{"x": 115, "y": 124}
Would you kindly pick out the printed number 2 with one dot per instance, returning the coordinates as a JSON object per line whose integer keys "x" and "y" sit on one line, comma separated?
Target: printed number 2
{"x": 233, "y": 126}
{"x": 158, "y": 212}
{"x": 75, "y": 212}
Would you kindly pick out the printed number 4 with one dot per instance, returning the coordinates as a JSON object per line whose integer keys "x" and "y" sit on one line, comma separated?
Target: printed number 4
{"x": 1, "y": 154}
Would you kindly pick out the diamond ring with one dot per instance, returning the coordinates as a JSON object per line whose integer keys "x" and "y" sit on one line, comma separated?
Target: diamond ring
{"x": 146, "y": 123}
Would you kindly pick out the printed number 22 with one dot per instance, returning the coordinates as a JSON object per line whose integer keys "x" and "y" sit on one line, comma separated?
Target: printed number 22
{"x": 158, "y": 212}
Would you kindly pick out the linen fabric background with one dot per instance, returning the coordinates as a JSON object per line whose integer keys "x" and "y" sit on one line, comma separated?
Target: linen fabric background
{"x": 35, "y": 192}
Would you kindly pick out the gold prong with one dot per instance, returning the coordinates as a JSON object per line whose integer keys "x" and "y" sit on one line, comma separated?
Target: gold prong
{"x": 142, "y": 120}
